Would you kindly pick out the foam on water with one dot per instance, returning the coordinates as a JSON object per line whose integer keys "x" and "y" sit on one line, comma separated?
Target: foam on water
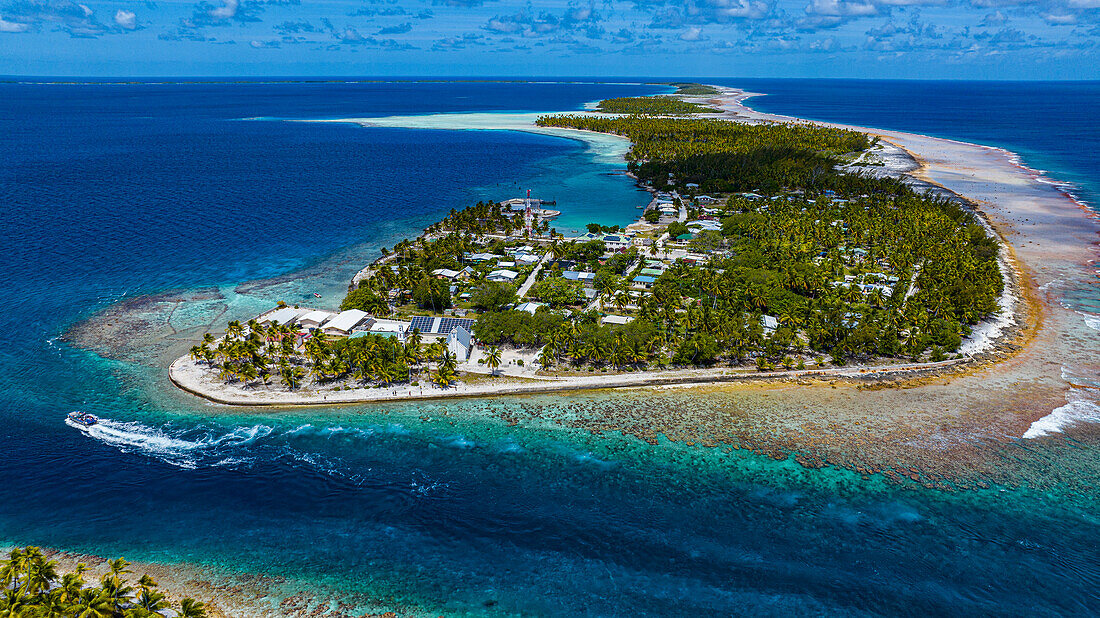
{"x": 135, "y": 437}
{"x": 1092, "y": 321}
{"x": 1079, "y": 408}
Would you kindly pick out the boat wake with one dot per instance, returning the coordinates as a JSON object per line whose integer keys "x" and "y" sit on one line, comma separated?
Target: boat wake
{"x": 266, "y": 449}
{"x": 186, "y": 450}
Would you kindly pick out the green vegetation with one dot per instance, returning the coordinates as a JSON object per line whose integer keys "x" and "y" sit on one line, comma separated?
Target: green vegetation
{"x": 253, "y": 354}
{"x": 693, "y": 89}
{"x": 558, "y": 292}
{"x": 34, "y": 588}
{"x": 723, "y": 156}
{"x": 492, "y": 296}
{"x": 790, "y": 260}
{"x": 653, "y": 106}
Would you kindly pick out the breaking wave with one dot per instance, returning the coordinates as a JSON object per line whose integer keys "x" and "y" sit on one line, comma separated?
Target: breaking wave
{"x": 1078, "y": 409}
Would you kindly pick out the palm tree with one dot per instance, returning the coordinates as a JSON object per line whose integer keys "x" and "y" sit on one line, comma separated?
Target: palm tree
{"x": 13, "y": 568}
{"x": 40, "y": 573}
{"x": 442, "y": 376}
{"x": 113, "y": 589}
{"x": 234, "y": 330}
{"x": 150, "y": 600}
{"x": 14, "y": 604}
{"x": 492, "y": 358}
{"x": 547, "y": 356}
{"x": 190, "y": 608}
{"x": 92, "y": 603}
{"x": 54, "y": 604}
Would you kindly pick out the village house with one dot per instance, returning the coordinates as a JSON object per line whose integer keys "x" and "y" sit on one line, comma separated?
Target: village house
{"x": 502, "y": 275}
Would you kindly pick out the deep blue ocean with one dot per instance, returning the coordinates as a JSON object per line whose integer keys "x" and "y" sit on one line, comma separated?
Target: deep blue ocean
{"x": 111, "y": 192}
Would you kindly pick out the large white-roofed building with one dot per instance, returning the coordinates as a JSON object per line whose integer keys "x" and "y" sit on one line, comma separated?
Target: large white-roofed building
{"x": 313, "y": 319}
{"x": 344, "y": 322}
{"x": 283, "y": 315}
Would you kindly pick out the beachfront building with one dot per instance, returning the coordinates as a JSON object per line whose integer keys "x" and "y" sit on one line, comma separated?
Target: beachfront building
{"x": 313, "y": 319}
{"x": 283, "y": 315}
{"x": 343, "y": 323}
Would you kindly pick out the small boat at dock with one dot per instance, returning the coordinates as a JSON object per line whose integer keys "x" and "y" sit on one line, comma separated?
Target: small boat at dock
{"x": 87, "y": 420}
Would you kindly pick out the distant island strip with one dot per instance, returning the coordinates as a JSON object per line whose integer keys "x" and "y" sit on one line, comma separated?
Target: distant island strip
{"x": 769, "y": 251}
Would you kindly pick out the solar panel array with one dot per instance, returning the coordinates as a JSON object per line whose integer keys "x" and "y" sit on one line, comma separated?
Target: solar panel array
{"x": 446, "y": 325}
{"x": 421, "y": 322}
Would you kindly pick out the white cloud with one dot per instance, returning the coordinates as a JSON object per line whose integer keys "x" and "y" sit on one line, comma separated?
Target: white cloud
{"x": 1085, "y": 4}
{"x": 126, "y": 20}
{"x": 994, "y": 19}
{"x": 1060, "y": 19}
{"x": 841, "y": 8}
{"x": 740, "y": 9}
{"x": 10, "y": 26}
{"x": 694, "y": 33}
{"x": 226, "y": 11}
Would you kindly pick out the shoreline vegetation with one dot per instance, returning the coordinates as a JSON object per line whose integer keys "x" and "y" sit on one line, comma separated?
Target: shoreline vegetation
{"x": 770, "y": 251}
{"x": 34, "y": 585}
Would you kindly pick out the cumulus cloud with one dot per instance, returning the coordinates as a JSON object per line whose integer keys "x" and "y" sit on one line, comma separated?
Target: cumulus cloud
{"x": 296, "y": 27}
{"x": 398, "y": 29}
{"x": 667, "y": 14}
{"x": 528, "y": 24}
{"x": 994, "y": 19}
{"x": 78, "y": 20}
{"x": 841, "y": 8}
{"x": 11, "y": 26}
{"x": 264, "y": 44}
{"x": 695, "y": 33}
{"x": 127, "y": 20}
{"x": 1059, "y": 19}
{"x": 452, "y": 43}
{"x": 228, "y": 10}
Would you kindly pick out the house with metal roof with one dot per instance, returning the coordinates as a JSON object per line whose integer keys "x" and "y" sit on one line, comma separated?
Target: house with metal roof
{"x": 313, "y": 319}
{"x": 502, "y": 275}
{"x": 341, "y": 324}
{"x": 617, "y": 319}
{"x": 284, "y": 315}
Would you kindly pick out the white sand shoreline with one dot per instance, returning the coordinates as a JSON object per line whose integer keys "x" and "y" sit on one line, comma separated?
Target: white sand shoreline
{"x": 196, "y": 378}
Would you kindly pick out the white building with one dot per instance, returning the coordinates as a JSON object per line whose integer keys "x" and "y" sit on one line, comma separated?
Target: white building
{"x": 502, "y": 275}
{"x": 389, "y": 328}
{"x": 285, "y": 315}
{"x": 770, "y": 323}
{"x": 530, "y": 307}
{"x": 343, "y": 323}
{"x": 617, "y": 319}
{"x": 458, "y": 343}
{"x": 313, "y": 319}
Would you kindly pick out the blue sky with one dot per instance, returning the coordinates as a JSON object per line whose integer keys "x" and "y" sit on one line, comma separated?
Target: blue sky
{"x": 964, "y": 39}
